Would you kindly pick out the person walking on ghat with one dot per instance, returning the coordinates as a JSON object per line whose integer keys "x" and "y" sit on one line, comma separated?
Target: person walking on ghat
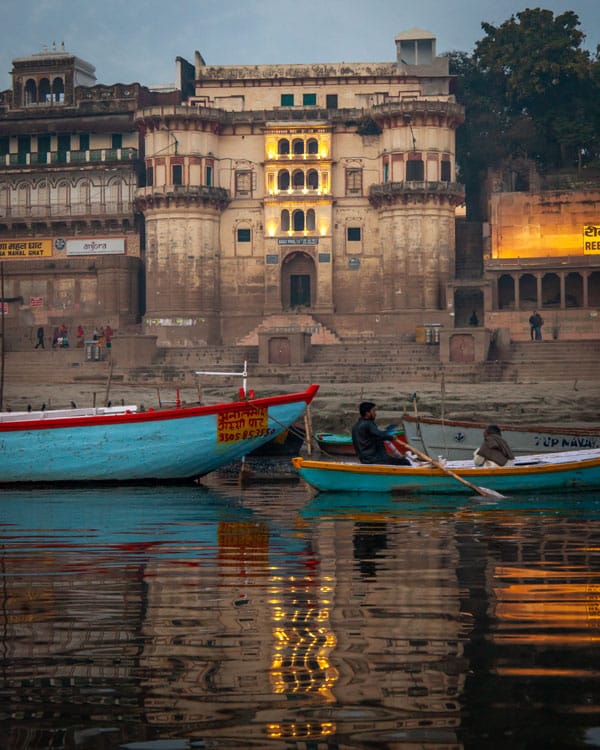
{"x": 40, "y": 338}
{"x": 369, "y": 440}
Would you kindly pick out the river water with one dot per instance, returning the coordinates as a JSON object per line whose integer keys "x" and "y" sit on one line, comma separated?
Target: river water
{"x": 260, "y": 616}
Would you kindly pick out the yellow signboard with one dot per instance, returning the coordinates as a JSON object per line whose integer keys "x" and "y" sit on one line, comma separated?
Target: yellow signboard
{"x": 591, "y": 239}
{"x": 241, "y": 424}
{"x": 25, "y": 249}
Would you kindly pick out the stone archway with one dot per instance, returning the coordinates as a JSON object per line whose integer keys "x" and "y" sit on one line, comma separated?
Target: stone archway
{"x": 298, "y": 281}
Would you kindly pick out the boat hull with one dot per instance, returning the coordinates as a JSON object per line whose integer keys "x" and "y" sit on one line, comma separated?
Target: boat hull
{"x": 457, "y": 440}
{"x": 534, "y": 474}
{"x": 172, "y": 444}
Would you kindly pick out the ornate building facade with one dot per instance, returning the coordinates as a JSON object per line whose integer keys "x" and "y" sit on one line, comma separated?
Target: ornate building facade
{"x": 328, "y": 189}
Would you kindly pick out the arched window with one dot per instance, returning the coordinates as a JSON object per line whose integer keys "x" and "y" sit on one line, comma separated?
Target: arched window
{"x": 594, "y": 289}
{"x": 312, "y": 146}
{"x": 528, "y": 289}
{"x": 113, "y": 196}
{"x": 285, "y": 220}
{"x": 63, "y": 195}
{"x": 43, "y": 196}
{"x": 506, "y": 292}
{"x": 310, "y": 220}
{"x": 298, "y": 146}
{"x": 298, "y": 179}
{"x": 312, "y": 179}
{"x": 574, "y": 290}
{"x": 23, "y": 198}
{"x": 30, "y": 92}
{"x": 298, "y": 221}
{"x": 83, "y": 196}
{"x": 283, "y": 179}
{"x": 58, "y": 90}
{"x": 550, "y": 290}
{"x": 44, "y": 95}
{"x": 283, "y": 146}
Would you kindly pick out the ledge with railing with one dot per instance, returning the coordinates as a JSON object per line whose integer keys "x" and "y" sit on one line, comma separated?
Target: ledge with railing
{"x": 87, "y": 156}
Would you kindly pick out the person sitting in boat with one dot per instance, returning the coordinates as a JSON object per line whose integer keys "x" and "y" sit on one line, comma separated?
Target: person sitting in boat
{"x": 494, "y": 451}
{"x": 368, "y": 439}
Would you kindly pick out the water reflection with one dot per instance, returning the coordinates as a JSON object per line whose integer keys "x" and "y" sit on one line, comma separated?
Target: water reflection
{"x": 220, "y": 616}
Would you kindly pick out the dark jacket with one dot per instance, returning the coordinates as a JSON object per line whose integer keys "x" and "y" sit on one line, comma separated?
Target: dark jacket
{"x": 368, "y": 441}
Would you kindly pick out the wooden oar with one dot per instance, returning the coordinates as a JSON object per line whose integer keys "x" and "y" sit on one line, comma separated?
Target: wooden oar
{"x": 438, "y": 464}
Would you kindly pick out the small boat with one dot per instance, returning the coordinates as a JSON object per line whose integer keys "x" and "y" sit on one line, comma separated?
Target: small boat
{"x": 172, "y": 444}
{"x": 455, "y": 440}
{"x": 575, "y": 470}
{"x": 340, "y": 443}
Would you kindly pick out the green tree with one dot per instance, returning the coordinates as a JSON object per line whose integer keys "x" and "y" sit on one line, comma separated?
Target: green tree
{"x": 535, "y": 59}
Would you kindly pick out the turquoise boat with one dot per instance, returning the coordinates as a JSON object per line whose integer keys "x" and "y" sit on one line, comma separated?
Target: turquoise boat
{"x": 573, "y": 470}
{"x": 173, "y": 444}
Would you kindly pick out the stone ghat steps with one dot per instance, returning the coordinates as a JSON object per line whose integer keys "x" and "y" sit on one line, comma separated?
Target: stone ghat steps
{"x": 343, "y": 363}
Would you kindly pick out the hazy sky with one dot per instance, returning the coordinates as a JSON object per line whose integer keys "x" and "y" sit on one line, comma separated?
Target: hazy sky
{"x": 138, "y": 42}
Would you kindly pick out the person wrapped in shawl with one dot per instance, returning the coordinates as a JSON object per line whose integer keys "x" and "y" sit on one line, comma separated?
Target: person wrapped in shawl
{"x": 494, "y": 451}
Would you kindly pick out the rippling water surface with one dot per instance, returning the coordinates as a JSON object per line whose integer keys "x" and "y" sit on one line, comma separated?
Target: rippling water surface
{"x": 262, "y": 617}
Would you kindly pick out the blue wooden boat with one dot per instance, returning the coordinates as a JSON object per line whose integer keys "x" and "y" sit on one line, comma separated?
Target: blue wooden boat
{"x": 127, "y": 446}
{"x": 573, "y": 470}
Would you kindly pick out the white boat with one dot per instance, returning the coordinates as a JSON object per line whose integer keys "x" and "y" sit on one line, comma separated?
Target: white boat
{"x": 456, "y": 440}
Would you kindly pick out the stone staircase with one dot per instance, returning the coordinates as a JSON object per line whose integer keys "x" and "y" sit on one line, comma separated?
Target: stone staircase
{"x": 289, "y": 323}
{"x": 531, "y": 362}
{"x": 384, "y": 361}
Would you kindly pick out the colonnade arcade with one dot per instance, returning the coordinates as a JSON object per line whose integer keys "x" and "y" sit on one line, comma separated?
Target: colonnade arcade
{"x": 546, "y": 289}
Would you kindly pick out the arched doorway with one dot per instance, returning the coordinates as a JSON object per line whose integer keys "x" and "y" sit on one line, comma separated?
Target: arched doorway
{"x": 468, "y": 300}
{"x": 298, "y": 281}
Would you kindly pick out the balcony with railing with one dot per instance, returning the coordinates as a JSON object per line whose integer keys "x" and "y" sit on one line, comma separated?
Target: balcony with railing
{"x": 62, "y": 212}
{"x": 388, "y": 192}
{"x": 89, "y": 156}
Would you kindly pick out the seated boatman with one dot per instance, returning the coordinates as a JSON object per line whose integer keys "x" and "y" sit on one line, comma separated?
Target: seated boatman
{"x": 494, "y": 451}
{"x": 368, "y": 439}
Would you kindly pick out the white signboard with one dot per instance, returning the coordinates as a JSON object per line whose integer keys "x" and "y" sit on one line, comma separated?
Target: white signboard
{"x": 96, "y": 246}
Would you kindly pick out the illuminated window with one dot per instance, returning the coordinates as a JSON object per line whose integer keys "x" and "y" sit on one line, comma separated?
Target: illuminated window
{"x": 287, "y": 100}
{"x": 298, "y": 179}
{"x": 309, "y": 100}
{"x": 298, "y": 221}
{"x": 283, "y": 179}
